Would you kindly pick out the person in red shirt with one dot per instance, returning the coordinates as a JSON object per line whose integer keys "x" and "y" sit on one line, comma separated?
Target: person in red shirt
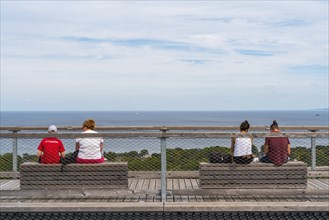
{"x": 276, "y": 147}
{"x": 51, "y": 149}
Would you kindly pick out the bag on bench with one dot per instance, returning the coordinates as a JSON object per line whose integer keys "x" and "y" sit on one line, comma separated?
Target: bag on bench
{"x": 69, "y": 159}
{"x": 219, "y": 157}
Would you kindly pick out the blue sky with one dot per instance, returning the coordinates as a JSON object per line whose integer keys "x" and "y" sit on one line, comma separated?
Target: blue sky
{"x": 157, "y": 55}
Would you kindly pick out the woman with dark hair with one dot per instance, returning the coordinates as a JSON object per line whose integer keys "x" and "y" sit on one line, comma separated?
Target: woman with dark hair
{"x": 241, "y": 145}
{"x": 276, "y": 147}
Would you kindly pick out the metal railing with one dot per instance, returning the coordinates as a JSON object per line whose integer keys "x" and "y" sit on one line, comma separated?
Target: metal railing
{"x": 161, "y": 148}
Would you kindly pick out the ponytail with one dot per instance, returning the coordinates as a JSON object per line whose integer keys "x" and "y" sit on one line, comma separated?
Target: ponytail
{"x": 274, "y": 125}
{"x": 244, "y": 126}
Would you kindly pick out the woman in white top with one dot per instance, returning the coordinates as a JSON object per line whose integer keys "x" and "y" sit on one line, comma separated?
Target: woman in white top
{"x": 90, "y": 149}
{"x": 241, "y": 145}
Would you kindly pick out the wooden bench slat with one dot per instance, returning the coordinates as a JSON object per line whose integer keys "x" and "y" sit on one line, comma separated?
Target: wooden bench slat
{"x": 71, "y": 168}
{"x": 247, "y": 168}
{"x": 73, "y": 174}
{"x": 254, "y": 175}
{"x": 251, "y": 186}
{"x": 50, "y": 176}
{"x": 258, "y": 178}
{"x": 64, "y": 187}
{"x": 68, "y": 179}
{"x": 251, "y": 172}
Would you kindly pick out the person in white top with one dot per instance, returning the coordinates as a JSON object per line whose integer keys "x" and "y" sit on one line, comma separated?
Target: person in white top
{"x": 90, "y": 149}
{"x": 241, "y": 145}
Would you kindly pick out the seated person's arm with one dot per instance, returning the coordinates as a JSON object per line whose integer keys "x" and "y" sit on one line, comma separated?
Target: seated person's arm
{"x": 232, "y": 145}
{"x": 77, "y": 146}
{"x": 288, "y": 150}
{"x": 265, "y": 149}
{"x": 39, "y": 153}
{"x": 101, "y": 147}
{"x": 62, "y": 154}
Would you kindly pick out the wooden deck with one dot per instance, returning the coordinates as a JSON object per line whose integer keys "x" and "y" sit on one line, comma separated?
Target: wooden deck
{"x": 186, "y": 188}
{"x": 184, "y": 194}
{"x": 172, "y": 184}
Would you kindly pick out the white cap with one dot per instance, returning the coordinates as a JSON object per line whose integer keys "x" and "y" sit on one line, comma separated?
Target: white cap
{"x": 52, "y": 128}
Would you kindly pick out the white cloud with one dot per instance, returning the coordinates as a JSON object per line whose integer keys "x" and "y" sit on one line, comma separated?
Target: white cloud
{"x": 151, "y": 55}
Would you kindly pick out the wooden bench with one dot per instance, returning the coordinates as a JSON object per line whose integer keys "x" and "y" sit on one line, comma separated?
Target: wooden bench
{"x": 292, "y": 175}
{"x": 109, "y": 175}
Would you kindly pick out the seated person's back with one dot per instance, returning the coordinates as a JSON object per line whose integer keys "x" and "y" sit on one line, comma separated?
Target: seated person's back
{"x": 276, "y": 147}
{"x": 50, "y": 149}
{"x": 90, "y": 149}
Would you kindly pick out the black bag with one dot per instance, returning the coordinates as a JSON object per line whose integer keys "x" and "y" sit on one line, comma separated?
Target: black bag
{"x": 219, "y": 157}
{"x": 70, "y": 159}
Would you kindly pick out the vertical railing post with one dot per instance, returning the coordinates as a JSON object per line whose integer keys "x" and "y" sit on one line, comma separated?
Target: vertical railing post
{"x": 313, "y": 147}
{"x": 163, "y": 145}
{"x": 14, "y": 152}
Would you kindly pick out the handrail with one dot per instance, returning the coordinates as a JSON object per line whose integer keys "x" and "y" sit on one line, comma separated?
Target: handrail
{"x": 159, "y": 135}
{"x": 163, "y": 128}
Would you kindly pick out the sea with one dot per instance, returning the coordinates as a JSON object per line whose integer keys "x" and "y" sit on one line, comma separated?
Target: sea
{"x": 165, "y": 118}
{"x": 157, "y": 118}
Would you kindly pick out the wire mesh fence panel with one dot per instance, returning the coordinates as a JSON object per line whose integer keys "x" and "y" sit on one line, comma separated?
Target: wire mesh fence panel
{"x": 322, "y": 152}
{"x": 203, "y": 160}
{"x": 186, "y": 154}
{"x": 142, "y": 154}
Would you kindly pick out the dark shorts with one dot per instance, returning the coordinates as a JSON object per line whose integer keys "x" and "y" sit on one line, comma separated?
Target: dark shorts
{"x": 243, "y": 159}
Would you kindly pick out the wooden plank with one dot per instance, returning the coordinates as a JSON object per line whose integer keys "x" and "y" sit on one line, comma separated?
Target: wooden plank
{"x": 184, "y": 198}
{"x": 73, "y": 169}
{"x": 149, "y": 198}
{"x": 232, "y": 166}
{"x": 177, "y": 199}
{"x": 325, "y": 181}
{"x": 146, "y": 184}
{"x": 44, "y": 176}
{"x": 319, "y": 184}
{"x": 141, "y": 198}
{"x": 134, "y": 198}
{"x": 260, "y": 169}
{"x": 170, "y": 199}
{"x": 188, "y": 184}
{"x": 152, "y": 184}
{"x": 221, "y": 198}
{"x": 9, "y": 184}
{"x": 273, "y": 181}
{"x": 158, "y": 184}
{"x": 253, "y": 177}
{"x": 133, "y": 184}
{"x": 130, "y": 180}
{"x": 195, "y": 184}
{"x": 199, "y": 198}
{"x": 75, "y": 178}
{"x": 181, "y": 184}
{"x": 169, "y": 184}
{"x": 9, "y": 174}
{"x": 252, "y": 172}
{"x": 139, "y": 184}
{"x": 74, "y": 182}
{"x": 206, "y": 199}
{"x": 239, "y": 186}
{"x": 175, "y": 184}
{"x": 213, "y": 198}
{"x": 29, "y": 187}
{"x": 311, "y": 184}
